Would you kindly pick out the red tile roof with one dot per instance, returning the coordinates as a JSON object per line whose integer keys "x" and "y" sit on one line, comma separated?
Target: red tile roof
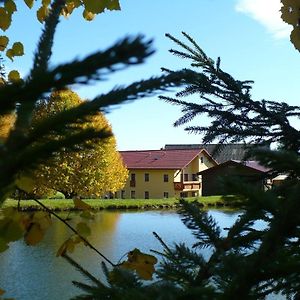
{"x": 160, "y": 159}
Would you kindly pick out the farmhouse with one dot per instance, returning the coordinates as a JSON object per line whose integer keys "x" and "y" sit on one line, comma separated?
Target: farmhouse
{"x": 250, "y": 171}
{"x": 164, "y": 173}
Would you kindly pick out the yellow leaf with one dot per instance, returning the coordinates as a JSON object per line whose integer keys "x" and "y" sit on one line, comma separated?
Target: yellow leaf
{"x": 25, "y": 183}
{"x": 113, "y": 5}
{"x": 295, "y": 37}
{"x": 42, "y": 13}
{"x": 46, "y": 2}
{"x": 64, "y": 247}
{"x": 29, "y": 3}
{"x": 68, "y": 245}
{"x": 3, "y": 42}
{"x": 10, "y": 6}
{"x": 5, "y": 19}
{"x": 43, "y": 219}
{"x": 88, "y": 15}
{"x": 3, "y": 246}
{"x": 14, "y": 76}
{"x": 140, "y": 262}
{"x": 1, "y": 292}
{"x": 94, "y": 6}
{"x": 81, "y": 205}
{"x": 18, "y": 49}
{"x": 10, "y": 54}
{"x": 83, "y": 229}
{"x": 13, "y": 232}
{"x": 87, "y": 215}
{"x": 34, "y": 235}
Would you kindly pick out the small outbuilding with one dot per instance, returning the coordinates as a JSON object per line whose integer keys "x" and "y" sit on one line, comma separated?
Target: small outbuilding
{"x": 250, "y": 171}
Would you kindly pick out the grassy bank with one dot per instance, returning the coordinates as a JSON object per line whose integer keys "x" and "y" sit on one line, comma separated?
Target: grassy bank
{"x": 99, "y": 204}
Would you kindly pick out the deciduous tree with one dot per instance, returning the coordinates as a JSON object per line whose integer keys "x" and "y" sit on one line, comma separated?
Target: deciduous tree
{"x": 27, "y": 146}
{"x": 93, "y": 169}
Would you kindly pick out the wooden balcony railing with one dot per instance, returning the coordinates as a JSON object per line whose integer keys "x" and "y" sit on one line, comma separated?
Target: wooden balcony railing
{"x": 187, "y": 185}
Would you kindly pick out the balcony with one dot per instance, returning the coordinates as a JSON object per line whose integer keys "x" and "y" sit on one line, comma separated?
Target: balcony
{"x": 187, "y": 186}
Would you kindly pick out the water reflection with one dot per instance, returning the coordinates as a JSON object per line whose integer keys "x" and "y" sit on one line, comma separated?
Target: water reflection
{"x": 35, "y": 272}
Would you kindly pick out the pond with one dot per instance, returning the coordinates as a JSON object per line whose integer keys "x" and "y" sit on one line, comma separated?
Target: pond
{"x": 36, "y": 273}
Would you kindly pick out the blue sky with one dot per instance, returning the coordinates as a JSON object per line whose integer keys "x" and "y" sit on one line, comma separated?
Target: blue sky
{"x": 248, "y": 35}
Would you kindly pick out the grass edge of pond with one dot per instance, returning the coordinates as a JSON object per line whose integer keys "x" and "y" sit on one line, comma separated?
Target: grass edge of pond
{"x": 118, "y": 204}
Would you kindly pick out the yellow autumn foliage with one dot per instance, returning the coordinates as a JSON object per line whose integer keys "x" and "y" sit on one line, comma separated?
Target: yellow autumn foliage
{"x": 290, "y": 13}
{"x": 7, "y": 122}
{"x": 141, "y": 263}
{"x": 88, "y": 172}
{"x": 90, "y": 8}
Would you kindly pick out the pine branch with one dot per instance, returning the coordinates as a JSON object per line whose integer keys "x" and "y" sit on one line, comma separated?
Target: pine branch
{"x": 204, "y": 227}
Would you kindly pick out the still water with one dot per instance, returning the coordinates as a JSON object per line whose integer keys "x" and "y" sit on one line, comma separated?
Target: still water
{"x": 35, "y": 273}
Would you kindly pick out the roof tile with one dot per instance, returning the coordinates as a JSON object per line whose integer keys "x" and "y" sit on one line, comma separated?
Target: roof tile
{"x": 159, "y": 159}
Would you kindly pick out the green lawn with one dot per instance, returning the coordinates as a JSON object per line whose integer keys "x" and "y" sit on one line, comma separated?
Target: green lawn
{"x": 98, "y": 204}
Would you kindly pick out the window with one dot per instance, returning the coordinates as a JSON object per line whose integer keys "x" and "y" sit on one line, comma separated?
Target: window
{"x": 183, "y": 194}
{"x": 166, "y": 195}
{"x": 166, "y": 178}
{"x": 147, "y": 195}
{"x": 194, "y": 177}
{"x": 194, "y": 194}
{"x": 202, "y": 159}
{"x": 146, "y": 177}
{"x": 132, "y": 194}
{"x": 186, "y": 177}
{"x": 123, "y": 194}
{"x": 132, "y": 180}
{"x": 116, "y": 195}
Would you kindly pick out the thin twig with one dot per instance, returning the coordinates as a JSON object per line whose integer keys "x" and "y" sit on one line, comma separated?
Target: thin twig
{"x": 80, "y": 268}
{"x": 162, "y": 242}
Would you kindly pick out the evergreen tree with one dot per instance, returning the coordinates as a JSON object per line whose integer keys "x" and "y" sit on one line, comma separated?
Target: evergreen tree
{"x": 245, "y": 262}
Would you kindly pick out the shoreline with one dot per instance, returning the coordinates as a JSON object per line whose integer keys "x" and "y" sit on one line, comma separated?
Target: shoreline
{"x": 119, "y": 204}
